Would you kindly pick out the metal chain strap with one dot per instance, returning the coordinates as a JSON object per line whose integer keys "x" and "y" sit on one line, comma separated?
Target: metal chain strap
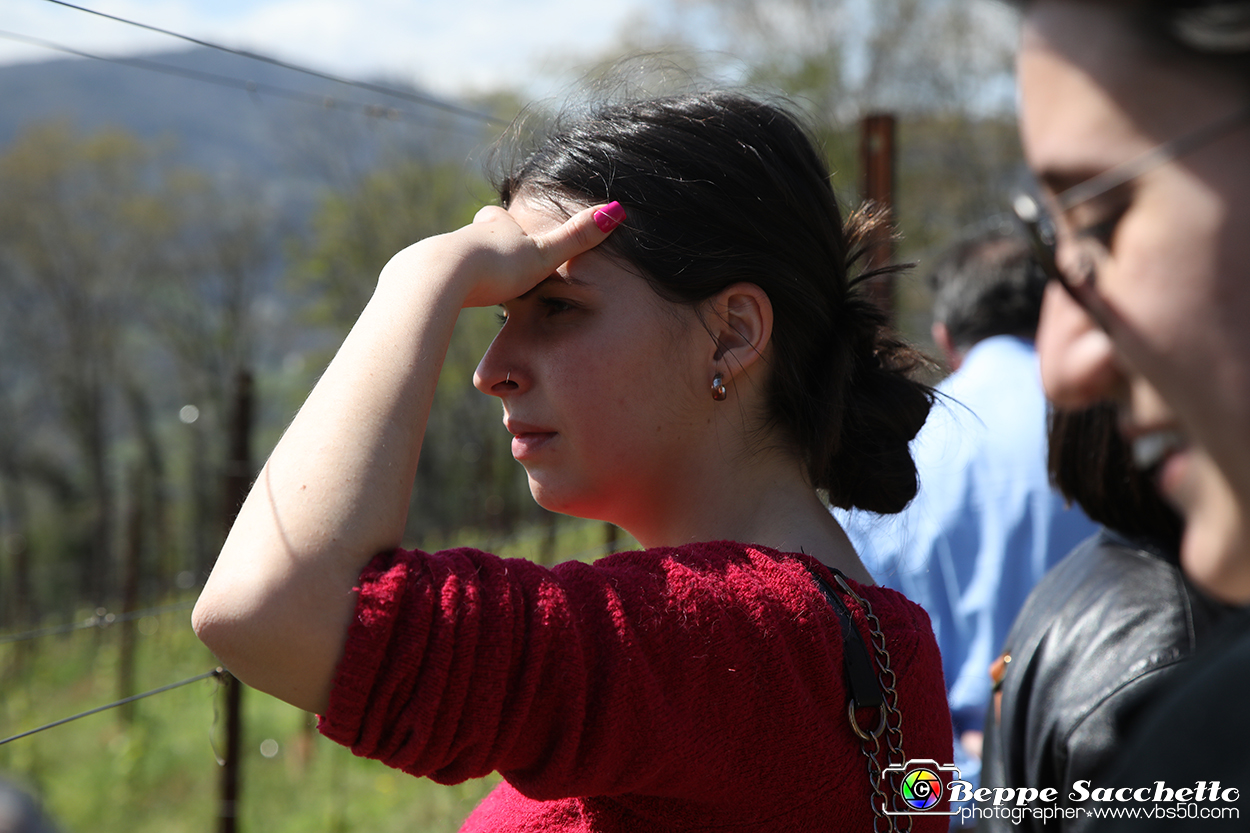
{"x": 893, "y": 726}
{"x": 874, "y": 780}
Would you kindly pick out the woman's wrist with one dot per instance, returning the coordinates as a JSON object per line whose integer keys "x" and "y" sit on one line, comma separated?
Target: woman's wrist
{"x": 426, "y": 269}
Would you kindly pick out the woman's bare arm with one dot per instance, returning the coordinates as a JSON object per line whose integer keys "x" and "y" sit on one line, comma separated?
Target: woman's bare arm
{"x": 335, "y": 491}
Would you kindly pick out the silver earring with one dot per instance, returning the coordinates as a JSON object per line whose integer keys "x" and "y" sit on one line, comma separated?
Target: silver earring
{"x": 718, "y": 388}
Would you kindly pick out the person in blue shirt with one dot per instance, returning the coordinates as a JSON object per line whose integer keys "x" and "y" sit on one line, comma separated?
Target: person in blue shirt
{"x": 986, "y": 523}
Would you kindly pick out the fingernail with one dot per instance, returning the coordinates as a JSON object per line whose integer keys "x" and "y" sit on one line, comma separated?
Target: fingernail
{"x": 610, "y": 216}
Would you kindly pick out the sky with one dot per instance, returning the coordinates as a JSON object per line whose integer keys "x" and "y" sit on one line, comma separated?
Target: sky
{"x": 447, "y": 47}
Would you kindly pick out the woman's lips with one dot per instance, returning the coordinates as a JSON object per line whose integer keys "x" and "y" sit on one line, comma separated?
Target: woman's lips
{"x": 530, "y": 443}
{"x": 528, "y": 440}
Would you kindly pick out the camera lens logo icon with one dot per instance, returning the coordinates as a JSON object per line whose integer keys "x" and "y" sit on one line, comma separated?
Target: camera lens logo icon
{"x": 921, "y": 789}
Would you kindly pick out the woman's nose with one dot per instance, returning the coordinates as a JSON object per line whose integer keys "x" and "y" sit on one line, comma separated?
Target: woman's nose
{"x": 1077, "y": 357}
{"x": 496, "y": 371}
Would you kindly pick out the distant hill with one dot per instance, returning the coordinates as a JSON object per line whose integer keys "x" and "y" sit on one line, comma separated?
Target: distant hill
{"x": 255, "y": 134}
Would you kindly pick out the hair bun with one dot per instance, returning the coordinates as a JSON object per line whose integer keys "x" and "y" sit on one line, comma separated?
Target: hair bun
{"x": 886, "y": 406}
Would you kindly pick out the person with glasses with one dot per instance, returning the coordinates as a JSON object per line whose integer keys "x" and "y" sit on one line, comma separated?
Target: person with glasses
{"x": 1135, "y": 117}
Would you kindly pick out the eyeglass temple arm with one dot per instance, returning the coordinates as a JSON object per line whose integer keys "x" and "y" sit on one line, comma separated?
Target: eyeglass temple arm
{"x": 1133, "y": 168}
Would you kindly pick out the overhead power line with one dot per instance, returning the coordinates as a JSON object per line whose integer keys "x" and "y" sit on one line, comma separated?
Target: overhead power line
{"x": 416, "y": 98}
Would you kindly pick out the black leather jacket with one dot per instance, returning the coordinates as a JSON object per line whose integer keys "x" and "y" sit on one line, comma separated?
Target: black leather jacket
{"x": 1198, "y": 731}
{"x": 1097, "y": 638}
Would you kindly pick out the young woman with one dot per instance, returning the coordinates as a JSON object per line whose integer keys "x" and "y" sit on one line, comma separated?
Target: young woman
{"x": 1135, "y": 114}
{"x": 1136, "y": 118}
{"x": 682, "y": 354}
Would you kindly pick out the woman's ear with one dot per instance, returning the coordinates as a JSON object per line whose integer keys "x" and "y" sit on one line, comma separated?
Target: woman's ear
{"x": 741, "y": 323}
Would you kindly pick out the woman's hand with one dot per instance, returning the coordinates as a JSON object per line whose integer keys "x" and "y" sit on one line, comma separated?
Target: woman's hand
{"x": 492, "y": 260}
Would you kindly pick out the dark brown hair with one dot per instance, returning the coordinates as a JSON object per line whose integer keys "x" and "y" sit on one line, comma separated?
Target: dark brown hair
{"x": 1091, "y": 465}
{"x": 720, "y": 188}
{"x": 988, "y": 284}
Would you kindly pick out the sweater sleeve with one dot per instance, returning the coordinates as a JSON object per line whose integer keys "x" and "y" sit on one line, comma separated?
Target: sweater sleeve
{"x": 461, "y": 663}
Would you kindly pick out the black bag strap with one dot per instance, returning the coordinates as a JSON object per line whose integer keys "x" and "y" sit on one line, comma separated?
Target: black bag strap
{"x": 868, "y": 689}
{"x": 861, "y": 677}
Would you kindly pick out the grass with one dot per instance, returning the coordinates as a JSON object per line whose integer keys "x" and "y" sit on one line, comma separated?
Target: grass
{"x": 157, "y": 772}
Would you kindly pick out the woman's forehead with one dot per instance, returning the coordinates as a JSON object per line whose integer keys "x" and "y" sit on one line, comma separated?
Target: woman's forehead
{"x": 1086, "y": 61}
{"x": 534, "y": 216}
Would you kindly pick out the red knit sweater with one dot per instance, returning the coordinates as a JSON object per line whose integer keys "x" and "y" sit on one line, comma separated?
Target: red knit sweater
{"x": 698, "y": 687}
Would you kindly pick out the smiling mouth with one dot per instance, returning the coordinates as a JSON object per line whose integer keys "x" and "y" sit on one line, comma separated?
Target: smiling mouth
{"x": 1150, "y": 450}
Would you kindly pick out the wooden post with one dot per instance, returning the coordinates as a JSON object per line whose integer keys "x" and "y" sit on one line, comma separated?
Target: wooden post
{"x": 131, "y": 575}
{"x": 877, "y": 162}
{"x": 239, "y": 465}
{"x": 16, "y": 593}
{"x": 228, "y": 809}
{"x": 238, "y": 479}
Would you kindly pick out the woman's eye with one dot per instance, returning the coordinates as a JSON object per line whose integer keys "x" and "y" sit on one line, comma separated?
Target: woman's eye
{"x": 1096, "y": 222}
{"x": 501, "y": 317}
{"x": 555, "y": 305}
{"x": 1101, "y": 232}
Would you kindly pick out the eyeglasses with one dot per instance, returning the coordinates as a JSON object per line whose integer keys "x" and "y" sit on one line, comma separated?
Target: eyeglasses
{"x": 1041, "y": 230}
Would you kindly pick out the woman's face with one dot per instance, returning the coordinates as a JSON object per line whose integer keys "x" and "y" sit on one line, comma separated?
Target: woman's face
{"x": 605, "y": 387}
{"x": 1171, "y": 250}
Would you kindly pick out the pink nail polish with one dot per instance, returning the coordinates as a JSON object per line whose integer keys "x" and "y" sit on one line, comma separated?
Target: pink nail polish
{"x": 610, "y": 216}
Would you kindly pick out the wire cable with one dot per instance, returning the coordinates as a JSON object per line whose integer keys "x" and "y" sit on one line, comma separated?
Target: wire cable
{"x": 100, "y": 620}
{"x": 416, "y": 98}
{"x": 216, "y": 672}
{"x": 255, "y": 87}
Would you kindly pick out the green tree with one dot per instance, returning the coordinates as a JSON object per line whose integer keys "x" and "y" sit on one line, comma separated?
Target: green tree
{"x": 205, "y": 301}
{"x": 131, "y": 289}
{"x": 75, "y": 228}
